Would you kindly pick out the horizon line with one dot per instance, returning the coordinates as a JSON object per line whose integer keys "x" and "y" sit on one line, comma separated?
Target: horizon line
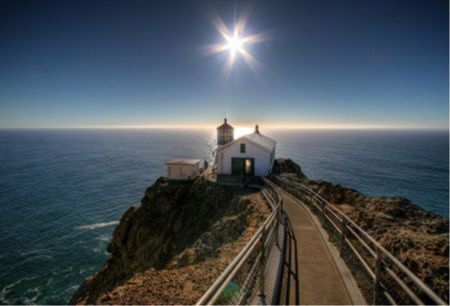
{"x": 332, "y": 126}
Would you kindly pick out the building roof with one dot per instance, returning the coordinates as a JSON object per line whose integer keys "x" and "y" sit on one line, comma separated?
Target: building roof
{"x": 256, "y": 138}
{"x": 264, "y": 141}
{"x": 183, "y": 161}
{"x": 225, "y": 125}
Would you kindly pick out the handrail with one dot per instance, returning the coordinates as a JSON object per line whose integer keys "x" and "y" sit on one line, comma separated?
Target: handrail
{"x": 220, "y": 280}
{"x": 375, "y": 249}
{"x": 262, "y": 236}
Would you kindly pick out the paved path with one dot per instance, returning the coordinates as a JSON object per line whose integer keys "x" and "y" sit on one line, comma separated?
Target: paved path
{"x": 319, "y": 281}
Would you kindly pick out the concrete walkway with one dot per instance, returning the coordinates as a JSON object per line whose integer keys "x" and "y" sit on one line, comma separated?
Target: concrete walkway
{"x": 314, "y": 277}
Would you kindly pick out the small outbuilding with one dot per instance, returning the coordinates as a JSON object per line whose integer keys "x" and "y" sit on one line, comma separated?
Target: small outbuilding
{"x": 183, "y": 169}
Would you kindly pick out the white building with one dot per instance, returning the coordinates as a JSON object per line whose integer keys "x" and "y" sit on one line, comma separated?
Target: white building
{"x": 249, "y": 155}
{"x": 183, "y": 169}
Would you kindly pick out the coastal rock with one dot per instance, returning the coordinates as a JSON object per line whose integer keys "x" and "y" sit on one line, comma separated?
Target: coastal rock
{"x": 282, "y": 165}
{"x": 183, "y": 232}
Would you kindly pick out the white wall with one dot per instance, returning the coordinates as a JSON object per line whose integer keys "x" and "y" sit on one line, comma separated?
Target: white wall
{"x": 263, "y": 161}
{"x": 182, "y": 172}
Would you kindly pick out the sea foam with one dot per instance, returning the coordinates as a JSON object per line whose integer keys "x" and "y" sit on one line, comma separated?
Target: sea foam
{"x": 97, "y": 225}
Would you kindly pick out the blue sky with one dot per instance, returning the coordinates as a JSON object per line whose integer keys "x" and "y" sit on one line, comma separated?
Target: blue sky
{"x": 125, "y": 63}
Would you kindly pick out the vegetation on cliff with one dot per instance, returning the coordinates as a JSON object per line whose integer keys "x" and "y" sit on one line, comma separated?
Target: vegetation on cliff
{"x": 169, "y": 249}
{"x": 418, "y": 238}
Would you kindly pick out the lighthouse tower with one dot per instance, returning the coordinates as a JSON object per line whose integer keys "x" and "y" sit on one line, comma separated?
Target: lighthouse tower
{"x": 225, "y": 133}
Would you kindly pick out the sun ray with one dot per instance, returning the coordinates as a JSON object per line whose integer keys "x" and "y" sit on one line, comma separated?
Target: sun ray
{"x": 220, "y": 27}
{"x": 256, "y": 66}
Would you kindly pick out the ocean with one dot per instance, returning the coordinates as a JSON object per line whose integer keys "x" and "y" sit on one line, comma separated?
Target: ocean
{"x": 63, "y": 191}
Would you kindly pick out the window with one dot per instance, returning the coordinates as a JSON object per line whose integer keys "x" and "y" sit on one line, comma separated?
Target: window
{"x": 242, "y": 147}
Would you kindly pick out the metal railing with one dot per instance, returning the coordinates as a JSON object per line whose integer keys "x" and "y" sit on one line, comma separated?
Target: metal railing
{"x": 249, "y": 279}
{"x": 382, "y": 278}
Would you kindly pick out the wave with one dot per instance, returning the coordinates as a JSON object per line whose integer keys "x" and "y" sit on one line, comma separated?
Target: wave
{"x": 8, "y": 288}
{"x": 32, "y": 300}
{"x": 103, "y": 237}
{"x": 97, "y": 225}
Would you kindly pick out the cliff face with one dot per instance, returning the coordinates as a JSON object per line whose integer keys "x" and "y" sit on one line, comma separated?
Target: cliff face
{"x": 179, "y": 230}
{"x": 418, "y": 238}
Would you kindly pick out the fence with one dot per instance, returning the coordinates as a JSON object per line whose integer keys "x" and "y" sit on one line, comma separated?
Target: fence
{"x": 250, "y": 278}
{"x": 382, "y": 278}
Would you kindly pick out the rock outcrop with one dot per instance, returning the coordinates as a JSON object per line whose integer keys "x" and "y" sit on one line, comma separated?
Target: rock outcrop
{"x": 418, "y": 238}
{"x": 287, "y": 166}
{"x": 169, "y": 249}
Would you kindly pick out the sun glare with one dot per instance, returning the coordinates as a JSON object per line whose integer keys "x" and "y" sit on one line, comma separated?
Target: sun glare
{"x": 241, "y": 131}
{"x": 235, "y": 43}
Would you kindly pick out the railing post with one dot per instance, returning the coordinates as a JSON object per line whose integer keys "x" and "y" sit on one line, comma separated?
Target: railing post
{"x": 376, "y": 284}
{"x": 343, "y": 234}
{"x": 262, "y": 276}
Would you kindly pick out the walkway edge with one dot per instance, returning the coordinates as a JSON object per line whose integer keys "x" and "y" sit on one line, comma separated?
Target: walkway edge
{"x": 349, "y": 282}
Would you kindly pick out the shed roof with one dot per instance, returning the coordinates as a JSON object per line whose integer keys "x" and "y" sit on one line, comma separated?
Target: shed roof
{"x": 183, "y": 161}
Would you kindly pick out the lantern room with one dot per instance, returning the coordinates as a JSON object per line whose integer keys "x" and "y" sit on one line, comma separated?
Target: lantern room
{"x": 225, "y": 133}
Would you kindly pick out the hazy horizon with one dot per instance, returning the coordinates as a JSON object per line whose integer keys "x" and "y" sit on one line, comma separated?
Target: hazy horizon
{"x": 248, "y": 127}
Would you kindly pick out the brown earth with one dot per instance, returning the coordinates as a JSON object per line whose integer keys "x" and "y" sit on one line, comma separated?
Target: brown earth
{"x": 170, "y": 249}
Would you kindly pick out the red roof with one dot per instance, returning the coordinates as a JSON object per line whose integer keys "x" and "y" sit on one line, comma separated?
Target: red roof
{"x": 225, "y": 125}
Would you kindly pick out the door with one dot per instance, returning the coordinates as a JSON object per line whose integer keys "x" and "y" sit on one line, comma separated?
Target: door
{"x": 242, "y": 166}
{"x": 237, "y": 166}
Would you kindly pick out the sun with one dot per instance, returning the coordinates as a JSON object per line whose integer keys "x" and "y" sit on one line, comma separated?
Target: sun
{"x": 234, "y": 43}
{"x": 237, "y": 42}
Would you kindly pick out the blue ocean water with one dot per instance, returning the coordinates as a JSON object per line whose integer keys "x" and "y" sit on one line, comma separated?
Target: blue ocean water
{"x": 62, "y": 191}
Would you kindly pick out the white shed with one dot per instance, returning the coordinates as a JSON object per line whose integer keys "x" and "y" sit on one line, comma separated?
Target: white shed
{"x": 249, "y": 155}
{"x": 183, "y": 169}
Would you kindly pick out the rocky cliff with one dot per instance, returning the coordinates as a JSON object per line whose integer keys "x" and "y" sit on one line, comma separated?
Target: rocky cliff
{"x": 288, "y": 167}
{"x": 419, "y": 238}
{"x": 169, "y": 249}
